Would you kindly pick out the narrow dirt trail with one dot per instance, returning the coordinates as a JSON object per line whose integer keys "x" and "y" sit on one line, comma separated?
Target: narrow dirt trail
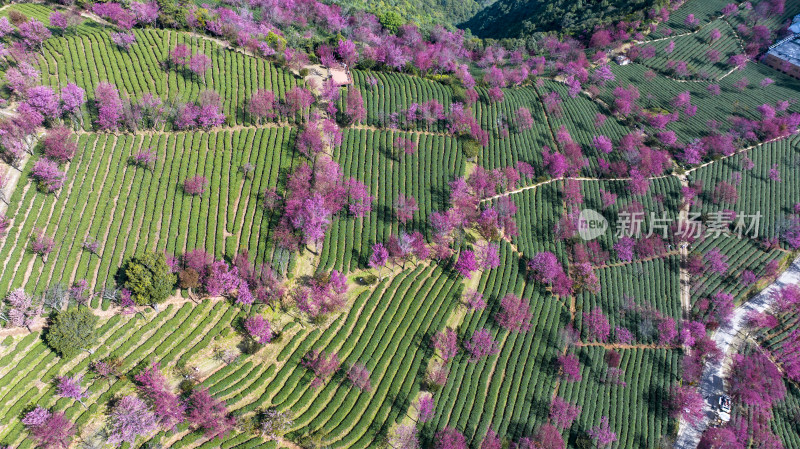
{"x": 682, "y": 177}
{"x": 728, "y": 338}
{"x": 40, "y": 322}
{"x": 685, "y": 280}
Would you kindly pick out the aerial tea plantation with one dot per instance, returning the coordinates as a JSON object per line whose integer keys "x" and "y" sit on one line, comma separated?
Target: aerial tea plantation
{"x": 305, "y": 224}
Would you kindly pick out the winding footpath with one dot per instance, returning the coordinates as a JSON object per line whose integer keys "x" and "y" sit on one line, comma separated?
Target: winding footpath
{"x": 728, "y": 339}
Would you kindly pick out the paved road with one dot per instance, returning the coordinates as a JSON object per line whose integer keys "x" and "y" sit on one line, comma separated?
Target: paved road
{"x": 727, "y": 339}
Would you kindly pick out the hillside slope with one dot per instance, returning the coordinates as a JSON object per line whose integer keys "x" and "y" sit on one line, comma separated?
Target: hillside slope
{"x": 516, "y": 18}
{"x": 424, "y": 12}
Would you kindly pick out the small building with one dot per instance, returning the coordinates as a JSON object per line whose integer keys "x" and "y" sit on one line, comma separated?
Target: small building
{"x": 622, "y": 60}
{"x": 785, "y": 56}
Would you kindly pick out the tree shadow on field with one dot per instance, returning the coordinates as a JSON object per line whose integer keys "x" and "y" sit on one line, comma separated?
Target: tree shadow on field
{"x": 655, "y": 397}
{"x": 439, "y": 197}
{"x": 660, "y": 366}
{"x": 673, "y": 265}
{"x": 640, "y": 441}
{"x": 539, "y": 408}
{"x": 362, "y": 259}
{"x": 586, "y": 360}
{"x": 385, "y": 214}
{"x": 387, "y": 150}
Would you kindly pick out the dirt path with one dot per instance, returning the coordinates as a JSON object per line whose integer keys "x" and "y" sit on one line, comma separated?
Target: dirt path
{"x": 412, "y": 131}
{"x": 669, "y": 175}
{"x": 11, "y": 175}
{"x": 685, "y": 280}
{"x": 691, "y": 33}
{"x": 40, "y": 322}
{"x": 158, "y": 132}
{"x": 624, "y": 346}
{"x": 728, "y": 338}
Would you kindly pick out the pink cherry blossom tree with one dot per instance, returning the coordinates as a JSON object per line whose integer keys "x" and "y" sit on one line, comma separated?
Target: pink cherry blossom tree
{"x": 322, "y": 364}
{"x": 404, "y": 437}
{"x": 515, "y": 314}
{"x": 446, "y": 342}
{"x": 450, "y": 438}
{"x": 196, "y": 185}
{"x": 524, "y": 119}
{"x": 153, "y": 386}
{"x": 686, "y": 403}
{"x": 379, "y": 257}
{"x": 72, "y": 99}
{"x": 491, "y": 441}
{"x": 467, "y": 263}
{"x": 487, "y": 255}
{"x": 569, "y": 367}
{"x": 258, "y": 329}
{"x": 124, "y": 40}
{"x": 22, "y": 310}
{"x": 70, "y": 387}
{"x": 756, "y": 381}
{"x": 47, "y": 175}
{"x": 59, "y": 145}
{"x": 405, "y": 207}
{"x": 717, "y": 262}
{"x": 359, "y": 377}
{"x": 129, "y": 419}
{"x": 299, "y": 100}
{"x": 109, "y": 106}
{"x": 49, "y": 430}
{"x": 145, "y": 158}
{"x": 545, "y": 267}
{"x": 209, "y": 414}
{"x": 481, "y": 345}
{"x": 596, "y": 325}
{"x": 199, "y": 64}
{"x": 41, "y": 243}
{"x": 180, "y": 55}
{"x": 44, "y": 101}
{"x": 262, "y": 105}
{"x": 602, "y": 434}
{"x": 425, "y": 408}
{"x": 563, "y": 413}
{"x": 33, "y": 34}
{"x": 354, "y": 107}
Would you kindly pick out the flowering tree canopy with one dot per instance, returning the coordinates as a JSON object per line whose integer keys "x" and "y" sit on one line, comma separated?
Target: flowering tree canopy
{"x": 602, "y": 434}
{"x": 50, "y": 430}
{"x": 209, "y": 414}
{"x": 130, "y": 418}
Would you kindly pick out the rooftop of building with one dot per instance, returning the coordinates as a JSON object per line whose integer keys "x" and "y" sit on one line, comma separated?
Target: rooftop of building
{"x": 787, "y": 49}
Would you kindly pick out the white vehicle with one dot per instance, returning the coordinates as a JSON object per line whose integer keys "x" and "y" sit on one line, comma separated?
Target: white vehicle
{"x": 724, "y": 408}
{"x": 725, "y": 403}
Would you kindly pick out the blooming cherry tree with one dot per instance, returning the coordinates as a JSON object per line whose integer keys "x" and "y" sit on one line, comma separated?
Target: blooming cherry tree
{"x": 515, "y": 314}
{"x": 686, "y": 403}
{"x": 425, "y": 408}
{"x": 602, "y": 434}
{"x": 563, "y": 413}
{"x": 258, "y": 329}
{"x": 480, "y": 345}
{"x": 209, "y": 414}
{"x": 359, "y": 376}
{"x": 129, "y": 419}
{"x": 70, "y": 387}
{"x": 50, "y": 430}
{"x": 446, "y": 342}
